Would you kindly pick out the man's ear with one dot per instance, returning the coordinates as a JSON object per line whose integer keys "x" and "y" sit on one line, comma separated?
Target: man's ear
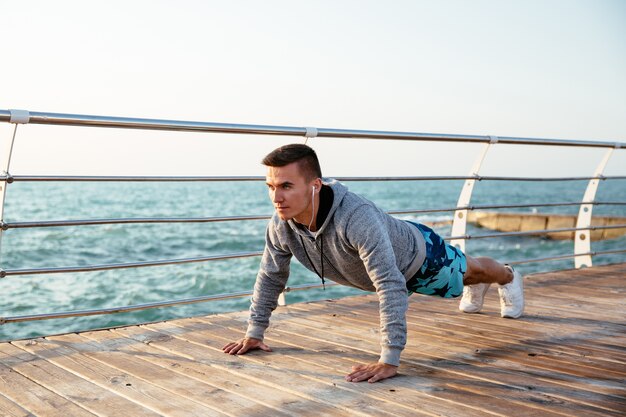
{"x": 317, "y": 184}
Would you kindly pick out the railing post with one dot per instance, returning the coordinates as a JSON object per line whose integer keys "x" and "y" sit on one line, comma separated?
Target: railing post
{"x": 582, "y": 238}
{"x": 459, "y": 224}
{"x": 17, "y": 117}
{"x": 282, "y": 300}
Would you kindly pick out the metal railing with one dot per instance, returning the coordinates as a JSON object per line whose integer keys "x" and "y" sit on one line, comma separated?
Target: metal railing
{"x": 148, "y": 220}
{"x": 69, "y": 178}
{"x": 93, "y": 268}
{"x": 24, "y": 117}
{"x": 582, "y": 253}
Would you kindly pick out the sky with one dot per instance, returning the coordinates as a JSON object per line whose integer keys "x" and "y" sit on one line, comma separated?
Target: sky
{"x": 527, "y": 68}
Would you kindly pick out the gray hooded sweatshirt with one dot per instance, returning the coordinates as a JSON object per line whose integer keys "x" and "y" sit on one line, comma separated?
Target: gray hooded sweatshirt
{"x": 360, "y": 246}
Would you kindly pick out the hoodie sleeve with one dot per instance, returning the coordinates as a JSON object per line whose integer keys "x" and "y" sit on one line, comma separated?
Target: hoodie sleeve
{"x": 366, "y": 232}
{"x": 270, "y": 282}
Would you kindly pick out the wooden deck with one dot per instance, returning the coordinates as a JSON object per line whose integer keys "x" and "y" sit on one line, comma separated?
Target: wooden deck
{"x": 565, "y": 357}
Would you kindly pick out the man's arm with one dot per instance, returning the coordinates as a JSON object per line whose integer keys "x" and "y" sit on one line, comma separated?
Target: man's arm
{"x": 367, "y": 232}
{"x": 270, "y": 282}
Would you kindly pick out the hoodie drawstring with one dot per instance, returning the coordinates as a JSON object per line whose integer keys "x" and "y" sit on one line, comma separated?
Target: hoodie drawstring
{"x": 321, "y": 259}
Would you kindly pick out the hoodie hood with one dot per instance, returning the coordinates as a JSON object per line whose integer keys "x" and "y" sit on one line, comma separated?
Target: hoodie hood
{"x": 339, "y": 192}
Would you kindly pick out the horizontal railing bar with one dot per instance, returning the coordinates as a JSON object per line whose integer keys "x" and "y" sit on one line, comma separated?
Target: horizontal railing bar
{"x": 146, "y": 306}
{"x": 309, "y": 286}
{"x": 106, "y": 267}
{"x": 90, "y": 222}
{"x": 12, "y": 272}
{"x": 484, "y": 207}
{"x": 569, "y": 256}
{"x": 64, "y": 119}
{"x": 217, "y": 297}
{"x": 479, "y": 178}
{"x": 535, "y": 232}
{"x": 97, "y": 178}
{"x": 92, "y": 178}
{"x": 115, "y": 310}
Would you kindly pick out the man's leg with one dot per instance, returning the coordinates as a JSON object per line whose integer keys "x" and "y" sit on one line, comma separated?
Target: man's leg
{"x": 485, "y": 270}
{"x": 481, "y": 273}
{"x": 448, "y": 272}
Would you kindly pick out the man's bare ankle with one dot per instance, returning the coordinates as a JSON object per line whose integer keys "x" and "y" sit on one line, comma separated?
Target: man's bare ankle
{"x": 509, "y": 278}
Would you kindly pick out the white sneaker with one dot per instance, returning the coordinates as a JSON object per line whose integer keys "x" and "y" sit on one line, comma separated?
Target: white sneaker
{"x": 512, "y": 296}
{"x": 473, "y": 298}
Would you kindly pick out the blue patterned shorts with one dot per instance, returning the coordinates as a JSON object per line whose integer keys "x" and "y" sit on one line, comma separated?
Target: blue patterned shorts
{"x": 443, "y": 269}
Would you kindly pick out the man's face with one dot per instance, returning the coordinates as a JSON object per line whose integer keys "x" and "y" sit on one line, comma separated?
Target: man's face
{"x": 290, "y": 192}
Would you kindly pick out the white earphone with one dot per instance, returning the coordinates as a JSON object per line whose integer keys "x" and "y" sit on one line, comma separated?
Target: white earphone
{"x": 313, "y": 203}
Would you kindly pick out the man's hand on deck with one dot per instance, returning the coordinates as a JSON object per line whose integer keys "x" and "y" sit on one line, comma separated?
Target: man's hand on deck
{"x": 244, "y": 345}
{"x": 373, "y": 372}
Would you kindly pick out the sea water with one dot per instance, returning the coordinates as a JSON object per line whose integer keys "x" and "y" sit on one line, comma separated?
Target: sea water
{"x": 122, "y": 243}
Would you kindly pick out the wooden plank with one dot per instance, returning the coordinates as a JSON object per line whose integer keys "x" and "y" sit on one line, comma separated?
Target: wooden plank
{"x": 584, "y": 282}
{"x": 238, "y": 399}
{"x": 601, "y": 386}
{"x": 349, "y": 336}
{"x": 76, "y": 355}
{"x": 593, "y": 302}
{"x": 558, "y": 327}
{"x": 392, "y": 394}
{"x": 545, "y": 303}
{"x": 460, "y": 334}
{"x": 566, "y": 356}
{"x": 324, "y": 391}
{"x": 537, "y": 327}
{"x": 25, "y": 394}
{"x": 579, "y": 299}
{"x": 447, "y": 397}
{"x": 536, "y": 300}
{"x": 532, "y": 321}
{"x": 281, "y": 379}
{"x": 471, "y": 365}
{"x": 603, "y": 275}
{"x": 9, "y": 409}
{"x": 363, "y": 323}
{"x": 535, "y": 336}
{"x": 612, "y": 328}
{"x": 21, "y": 374}
{"x": 485, "y": 374}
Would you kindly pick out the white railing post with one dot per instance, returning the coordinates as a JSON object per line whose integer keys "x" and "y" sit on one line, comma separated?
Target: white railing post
{"x": 582, "y": 238}
{"x": 282, "y": 300}
{"x": 459, "y": 224}
{"x": 17, "y": 117}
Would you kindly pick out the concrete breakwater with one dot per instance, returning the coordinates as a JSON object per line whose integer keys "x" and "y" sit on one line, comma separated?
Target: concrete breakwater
{"x": 522, "y": 222}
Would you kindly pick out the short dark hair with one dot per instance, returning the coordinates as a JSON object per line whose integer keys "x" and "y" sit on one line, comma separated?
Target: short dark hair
{"x": 304, "y": 155}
